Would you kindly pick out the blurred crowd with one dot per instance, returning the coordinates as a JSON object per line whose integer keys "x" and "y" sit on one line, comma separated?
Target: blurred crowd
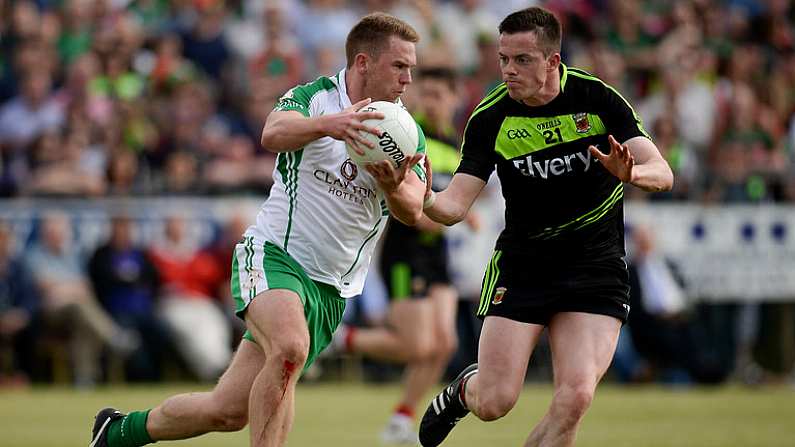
{"x": 68, "y": 314}
{"x": 135, "y": 97}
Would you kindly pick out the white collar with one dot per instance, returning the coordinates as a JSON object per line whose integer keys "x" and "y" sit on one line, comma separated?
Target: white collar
{"x": 345, "y": 101}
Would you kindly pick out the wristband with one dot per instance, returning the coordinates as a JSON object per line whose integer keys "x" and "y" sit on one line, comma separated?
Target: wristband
{"x": 429, "y": 201}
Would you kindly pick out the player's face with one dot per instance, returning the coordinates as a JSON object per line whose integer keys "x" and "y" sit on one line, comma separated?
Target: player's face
{"x": 388, "y": 76}
{"x": 524, "y": 67}
{"x": 438, "y": 99}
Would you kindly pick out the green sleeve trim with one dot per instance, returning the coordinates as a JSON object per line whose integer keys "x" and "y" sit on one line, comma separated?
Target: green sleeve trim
{"x": 419, "y": 169}
{"x": 300, "y": 97}
{"x": 492, "y": 98}
{"x": 287, "y": 164}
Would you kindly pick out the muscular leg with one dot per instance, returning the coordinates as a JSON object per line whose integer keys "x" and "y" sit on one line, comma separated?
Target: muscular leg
{"x": 277, "y": 321}
{"x": 504, "y": 351}
{"x": 582, "y": 349}
{"x": 225, "y": 408}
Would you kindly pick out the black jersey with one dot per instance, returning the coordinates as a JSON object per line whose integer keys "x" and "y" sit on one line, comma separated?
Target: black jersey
{"x": 560, "y": 202}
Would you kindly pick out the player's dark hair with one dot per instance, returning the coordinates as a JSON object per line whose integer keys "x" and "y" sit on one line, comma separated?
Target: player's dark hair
{"x": 444, "y": 74}
{"x": 536, "y": 20}
{"x": 371, "y": 35}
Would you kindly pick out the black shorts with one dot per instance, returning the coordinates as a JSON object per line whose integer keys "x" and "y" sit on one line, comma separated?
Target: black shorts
{"x": 411, "y": 277}
{"x": 515, "y": 287}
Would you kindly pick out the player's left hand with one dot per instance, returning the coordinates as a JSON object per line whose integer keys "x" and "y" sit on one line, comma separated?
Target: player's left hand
{"x": 619, "y": 161}
{"x": 388, "y": 177}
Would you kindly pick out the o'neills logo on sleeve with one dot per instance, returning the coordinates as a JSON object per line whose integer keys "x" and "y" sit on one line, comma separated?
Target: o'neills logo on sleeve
{"x": 390, "y": 148}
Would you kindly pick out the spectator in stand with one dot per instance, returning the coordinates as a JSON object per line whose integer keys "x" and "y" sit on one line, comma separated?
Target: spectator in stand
{"x": 203, "y": 43}
{"x": 180, "y": 175}
{"x": 188, "y": 300}
{"x": 67, "y": 301}
{"x": 485, "y": 77}
{"x": 331, "y": 20}
{"x": 187, "y": 110}
{"x": 679, "y": 155}
{"x": 170, "y": 67}
{"x": 124, "y": 176}
{"x": 684, "y": 91}
{"x": 76, "y": 34}
{"x": 282, "y": 61}
{"x": 125, "y": 282}
{"x": 748, "y": 162}
{"x": 76, "y": 170}
{"x": 472, "y": 19}
{"x": 627, "y": 35}
{"x": 19, "y": 304}
{"x": 235, "y": 167}
{"x": 34, "y": 110}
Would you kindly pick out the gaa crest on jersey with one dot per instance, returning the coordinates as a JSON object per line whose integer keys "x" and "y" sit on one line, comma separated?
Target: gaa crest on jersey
{"x": 349, "y": 170}
{"x": 581, "y": 122}
{"x": 498, "y": 295}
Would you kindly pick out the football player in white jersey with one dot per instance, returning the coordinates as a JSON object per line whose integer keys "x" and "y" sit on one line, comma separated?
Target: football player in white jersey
{"x": 309, "y": 250}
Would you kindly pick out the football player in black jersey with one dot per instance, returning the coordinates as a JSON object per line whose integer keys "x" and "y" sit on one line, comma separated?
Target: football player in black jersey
{"x": 563, "y": 143}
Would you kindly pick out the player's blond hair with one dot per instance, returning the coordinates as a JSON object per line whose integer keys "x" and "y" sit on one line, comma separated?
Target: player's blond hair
{"x": 371, "y": 35}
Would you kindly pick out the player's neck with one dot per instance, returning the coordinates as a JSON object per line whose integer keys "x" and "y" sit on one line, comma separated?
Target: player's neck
{"x": 546, "y": 94}
{"x": 354, "y": 85}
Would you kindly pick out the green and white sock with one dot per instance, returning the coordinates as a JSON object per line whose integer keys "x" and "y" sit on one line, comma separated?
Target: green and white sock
{"x": 130, "y": 431}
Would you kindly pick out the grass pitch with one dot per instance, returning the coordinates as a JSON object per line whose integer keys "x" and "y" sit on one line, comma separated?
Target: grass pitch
{"x": 352, "y": 414}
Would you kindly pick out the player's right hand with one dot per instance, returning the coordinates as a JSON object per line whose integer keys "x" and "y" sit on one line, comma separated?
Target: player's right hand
{"x": 347, "y": 125}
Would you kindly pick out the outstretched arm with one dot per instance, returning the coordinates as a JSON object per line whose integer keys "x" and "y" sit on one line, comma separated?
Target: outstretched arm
{"x": 637, "y": 161}
{"x": 451, "y": 205}
{"x": 290, "y": 130}
{"x": 403, "y": 189}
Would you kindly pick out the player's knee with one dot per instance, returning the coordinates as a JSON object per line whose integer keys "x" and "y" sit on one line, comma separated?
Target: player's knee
{"x": 420, "y": 349}
{"x": 493, "y": 406}
{"x": 573, "y": 401}
{"x": 292, "y": 352}
{"x": 446, "y": 345}
{"x": 441, "y": 347}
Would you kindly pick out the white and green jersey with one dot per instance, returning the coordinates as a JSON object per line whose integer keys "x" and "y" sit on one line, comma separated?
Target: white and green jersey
{"x": 323, "y": 210}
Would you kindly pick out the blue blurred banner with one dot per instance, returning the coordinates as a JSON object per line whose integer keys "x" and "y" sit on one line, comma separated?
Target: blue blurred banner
{"x": 725, "y": 253}
{"x": 90, "y": 219}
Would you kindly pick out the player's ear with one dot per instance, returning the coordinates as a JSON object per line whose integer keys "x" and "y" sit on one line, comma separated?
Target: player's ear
{"x": 553, "y": 62}
{"x": 360, "y": 63}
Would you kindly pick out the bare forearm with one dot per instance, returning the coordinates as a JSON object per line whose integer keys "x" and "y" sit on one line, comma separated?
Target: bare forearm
{"x": 428, "y": 225}
{"x": 653, "y": 176}
{"x": 289, "y": 134}
{"x": 445, "y": 211}
{"x": 405, "y": 203}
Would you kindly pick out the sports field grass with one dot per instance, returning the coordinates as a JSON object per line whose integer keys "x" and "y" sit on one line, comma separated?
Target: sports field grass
{"x": 350, "y": 415}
